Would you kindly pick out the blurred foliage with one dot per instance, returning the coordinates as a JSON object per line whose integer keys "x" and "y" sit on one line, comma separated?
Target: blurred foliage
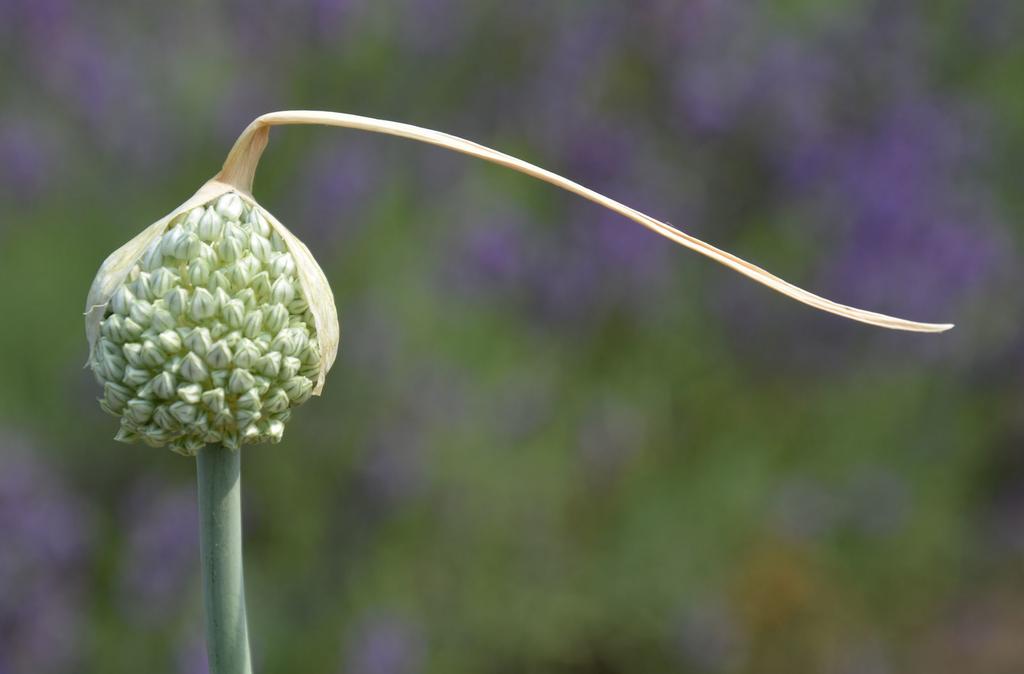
{"x": 551, "y": 442}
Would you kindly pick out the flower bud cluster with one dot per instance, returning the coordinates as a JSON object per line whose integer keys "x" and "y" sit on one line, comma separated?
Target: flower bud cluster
{"x": 209, "y": 339}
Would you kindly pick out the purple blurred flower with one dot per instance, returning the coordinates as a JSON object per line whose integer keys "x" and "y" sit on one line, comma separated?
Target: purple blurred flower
{"x": 113, "y": 95}
{"x": 249, "y": 95}
{"x": 564, "y": 91}
{"x": 393, "y": 469}
{"x": 873, "y": 502}
{"x": 161, "y": 554}
{"x": 597, "y": 260}
{"x": 718, "y": 52}
{"x": 710, "y": 638}
{"x": 434, "y": 27}
{"x": 384, "y": 644}
{"x": 26, "y": 159}
{"x": 491, "y": 256}
{"x": 805, "y": 509}
{"x": 610, "y": 435}
{"x": 878, "y": 502}
{"x": 45, "y": 545}
{"x": 336, "y": 189}
{"x": 192, "y": 657}
{"x": 921, "y": 237}
{"x": 35, "y": 23}
{"x": 868, "y": 657}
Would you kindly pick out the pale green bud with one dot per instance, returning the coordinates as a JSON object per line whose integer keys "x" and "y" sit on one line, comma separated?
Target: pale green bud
{"x": 183, "y": 412}
{"x": 207, "y": 254}
{"x": 260, "y": 285}
{"x": 250, "y": 433}
{"x": 132, "y": 330}
{"x": 210, "y": 226}
{"x": 121, "y": 301}
{"x": 260, "y": 247}
{"x": 275, "y": 429}
{"x": 231, "y": 439}
{"x": 190, "y": 393}
{"x": 145, "y": 392}
{"x": 113, "y": 328}
{"x": 220, "y": 296}
{"x": 269, "y": 364}
{"x": 246, "y": 354}
{"x": 247, "y": 296}
{"x": 234, "y": 230}
{"x": 253, "y": 324}
{"x": 162, "y": 281}
{"x": 275, "y": 318}
{"x": 133, "y": 353}
{"x": 283, "y": 264}
{"x": 260, "y": 224}
{"x": 170, "y": 341}
{"x": 199, "y": 272}
{"x": 219, "y": 281}
{"x": 219, "y": 355}
{"x": 262, "y": 384}
{"x": 298, "y": 389}
{"x": 224, "y": 419}
{"x": 230, "y": 206}
{"x": 219, "y": 378}
{"x": 141, "y": 312}
{"x": 177, "y": 301}
{"x": 170, "y": 241}
{"x": 162, "y": 319}
{"x": 151, "y": 355}
{"x": 289, "y": 367}
{"x": 125, "y": 435}
{"x": 277, "y": 401}
{"x": 240, "y": 381}
{"x": 229, "y": 249}
{"x": 250, "y": 400}
{"x": 191, "y": 220}
{"x": 283, "y": 290}
{"x": 155, "y": 436}
{"x": 163, "y": 419}
{"x": 112, "y": 366}
{"x": 116, "y": 395}
{"x": 203, "y": 305}
{"x": 164, "y": 386}
{"x": 153, "y": 260}
{"x": 199, "y": 341}
{"x": 173, "y": 364}
{"x": 233, "y": 312}
{"x": 193, "y": 444}
{"x": 181, "y": 245}
{"x": 193, "y": 369}
{"x": 213, "y": 399}
{"x": 139, "y": 411}
{"x": 141, "y": 287}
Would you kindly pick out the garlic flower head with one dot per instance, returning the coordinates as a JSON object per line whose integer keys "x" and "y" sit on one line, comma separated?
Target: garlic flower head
{"x": 210, "y": 326}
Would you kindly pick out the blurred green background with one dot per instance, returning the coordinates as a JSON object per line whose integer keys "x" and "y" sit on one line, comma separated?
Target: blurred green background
{"x": 552, "y": 441}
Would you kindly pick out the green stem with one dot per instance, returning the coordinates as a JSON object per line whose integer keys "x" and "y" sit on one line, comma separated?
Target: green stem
{"x": 220, "y": 547}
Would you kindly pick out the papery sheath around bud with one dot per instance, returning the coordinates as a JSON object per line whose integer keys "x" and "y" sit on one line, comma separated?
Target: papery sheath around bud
{"x": 209, "y": 326}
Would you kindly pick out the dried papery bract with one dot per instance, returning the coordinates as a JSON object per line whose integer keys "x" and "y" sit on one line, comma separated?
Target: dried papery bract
{"x": 215, "y": 320}
{"x": 241, "y": 164}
